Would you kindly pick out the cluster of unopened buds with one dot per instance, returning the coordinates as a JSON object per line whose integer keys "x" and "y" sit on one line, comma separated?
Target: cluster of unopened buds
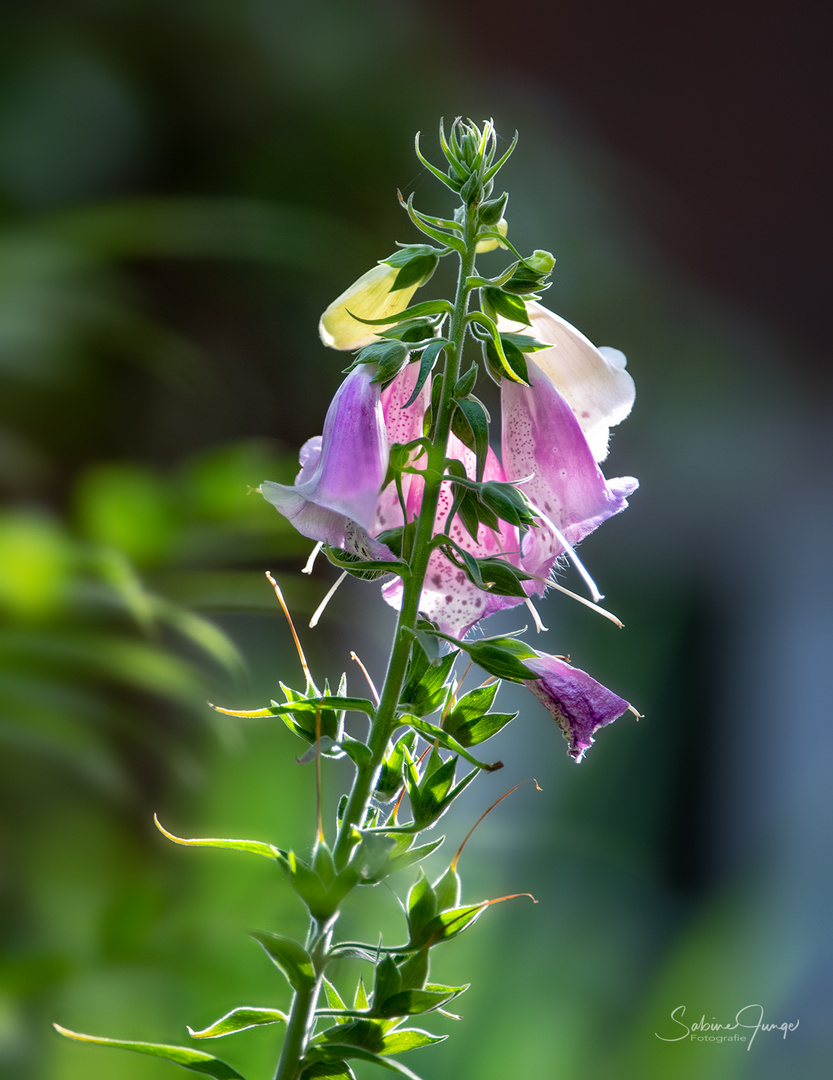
{"x": 404, "y": 487}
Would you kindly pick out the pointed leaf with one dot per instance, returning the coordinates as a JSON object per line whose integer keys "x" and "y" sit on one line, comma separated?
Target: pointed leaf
{"x": 195, "y": 1060}
{"x": 450, "y": 742}
{"x": 411, "y": 1002}
{"x": 256, "y": 847}
{"x": 409, "y": 1039}
{"x": 328, "y": 1070}
{"x": 293, "y": 959}
{"x": 239, "y": 1019}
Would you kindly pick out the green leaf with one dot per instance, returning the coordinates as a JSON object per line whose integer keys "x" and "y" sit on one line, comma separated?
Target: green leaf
{"x": 399, "y": 861}
{"x": 416, "y": 311}
{"x": 239, "y": 1020}
{"x": 180, "y": 1055}
{"x": 498, "y": 302}
{"x": 255, "y": 847}
{"x": 334, "y": 999}
{"x": 292, "y": 959}
{"x": 334, "y": 1050}
{"x": 409, "y": 1039}
{"x": 450, "y": 742}
{"x": 426, "y": 363}
{"x": 332, "y": 1070}
{"x": 471, "y": 426}
{"x": 425, "y": 687}
{"x": 411, "y": 1002}
{"x": 473, "y": 732}
{"x": 386, "y": 983}
{"x": 422, "y": 904}
{"x": 502, "y": 656}
{"x": 449, "y": 924}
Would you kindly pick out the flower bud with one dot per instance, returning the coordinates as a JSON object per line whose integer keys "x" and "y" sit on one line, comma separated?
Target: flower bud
{"x": 372, "y": 296}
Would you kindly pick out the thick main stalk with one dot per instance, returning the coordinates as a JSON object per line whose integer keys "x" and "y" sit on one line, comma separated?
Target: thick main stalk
{"x": 302, "y": 1012}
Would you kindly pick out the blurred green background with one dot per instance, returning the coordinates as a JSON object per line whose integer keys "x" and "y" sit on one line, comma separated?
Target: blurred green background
{"x": 183, "y": 188}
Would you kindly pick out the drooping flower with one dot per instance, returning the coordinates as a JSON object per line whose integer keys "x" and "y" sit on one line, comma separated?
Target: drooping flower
{"x": 334, "y": 497}
{"x": 578, "y": 704}
{"x": 372, "y": 296}
{"x": 594, "y": 381}
{"x": 546, "y": 452}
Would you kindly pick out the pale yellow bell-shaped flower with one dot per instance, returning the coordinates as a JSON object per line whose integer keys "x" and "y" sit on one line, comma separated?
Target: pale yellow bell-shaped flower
{"x": 370, "y": 297}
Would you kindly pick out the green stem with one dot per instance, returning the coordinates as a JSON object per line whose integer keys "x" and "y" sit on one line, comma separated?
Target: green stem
{"x": 385, "y": 720}
{"x": 302, "y": 1012}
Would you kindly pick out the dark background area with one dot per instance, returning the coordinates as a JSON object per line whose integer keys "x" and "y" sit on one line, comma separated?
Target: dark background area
{"x": 183, "y": 188}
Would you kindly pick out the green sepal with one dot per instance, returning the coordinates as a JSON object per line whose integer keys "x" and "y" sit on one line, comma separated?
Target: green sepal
{"x": 416, "y": 311}
{"x": 390, "y": 780}
{"x": 497, "y": 302}
{"x": 290, "y": 957}
{"x": 398, "y": 1042}
{"x": 412, "y": 1002}
{"x": 466, "y": 383}
{"x": 439, "y": 734}
{"x": 254, "y": 847}
{"x": 444, "y": 234}
{"x": 530, "y": 275}
{"x": 489, "y": 574}
{"x": 390, "y": 356}
{"x": 416, "y": 262}
{"x": 508, "y": 503}
{"x": 195, "y": 1060}
{"x": 476, "y": 731}
{"x": 489, "y": 213}
{"x": 425, "y": 688}
{"x": 366, "y": 569}
{"x": 447, "y": 889}
{"x": 360, "y": 997}
{"x": 386, "y": 984}
{"x": 432, "y": 796}
{"x": 525, "y": 342}
{"x": 449, "y": 924}
{"x": 413, "y": 970}
{"x": 426, "y": 365}
{"x": 505, "y": 360}
{"x": 335, "y": 1052}
{"x": 502, "y": 656}
{"x": 470, "y": 423}
{"x": 328, "y": 1070}
{"x": 334, "y": 999}
{"x": 421, "y": 905}
{"x": 401, "y": 856}
{"x": 239, "y": 1019}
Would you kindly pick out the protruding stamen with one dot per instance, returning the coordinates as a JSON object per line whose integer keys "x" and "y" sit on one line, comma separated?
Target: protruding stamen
{"x": 536, "y": 618}
{"x": 285, "y": 609}
{"x": 319, "y": 611}
{"x": 587, "y": 603}
{"x": 571, "y": 551}
{"x": 366, "y": 674}
{"x": 313, "y": 555}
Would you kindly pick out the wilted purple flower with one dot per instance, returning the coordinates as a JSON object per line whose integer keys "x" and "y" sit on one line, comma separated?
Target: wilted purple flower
{"x": 334, "y": 497}
{"x": 578, "y": 703}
